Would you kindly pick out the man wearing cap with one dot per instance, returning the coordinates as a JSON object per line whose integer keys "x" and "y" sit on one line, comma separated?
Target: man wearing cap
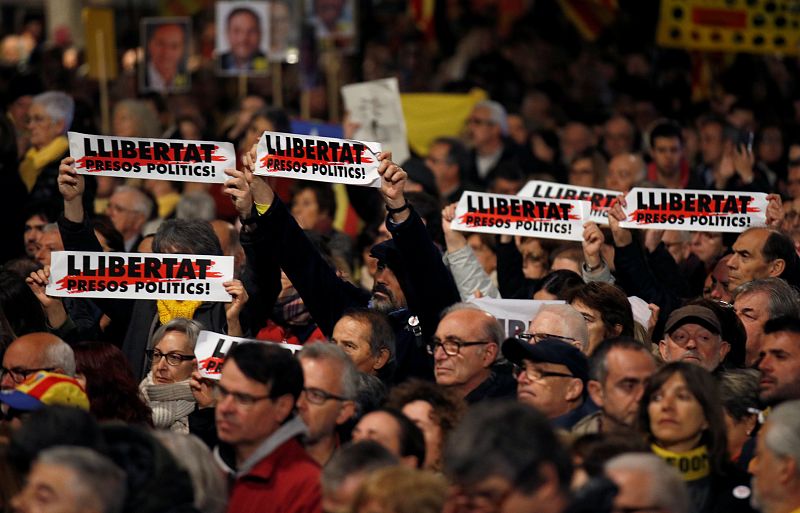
{"x": 32, "y": 353}
{"x": 412, "y": 285}
{"x": 551, "y": 376}
{"x": 40, "y": 390}
{"x": 693, "y": 334}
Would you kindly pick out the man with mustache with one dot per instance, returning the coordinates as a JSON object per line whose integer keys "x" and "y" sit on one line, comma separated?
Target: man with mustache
{"x": 693, "y": 333}
{"x": 412, "y": 284}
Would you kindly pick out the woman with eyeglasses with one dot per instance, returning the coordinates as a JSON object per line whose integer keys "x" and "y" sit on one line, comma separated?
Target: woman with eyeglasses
{"x": 682, "y": 416}
{"x": 166, "y": 388}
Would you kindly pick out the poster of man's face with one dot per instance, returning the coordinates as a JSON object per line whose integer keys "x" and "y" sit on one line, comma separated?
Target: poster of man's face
{"x": 284, "y": 26}
{"x": 167, "y": 46}
{"x": 242, "y": 37}
{"x": 333, "y": 22}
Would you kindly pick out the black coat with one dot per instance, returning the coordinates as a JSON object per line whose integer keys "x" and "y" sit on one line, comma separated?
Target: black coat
{"x": 277, "y": 242}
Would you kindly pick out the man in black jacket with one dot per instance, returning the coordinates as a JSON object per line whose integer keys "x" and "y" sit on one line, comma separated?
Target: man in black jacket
{"x": 412, "y": 284}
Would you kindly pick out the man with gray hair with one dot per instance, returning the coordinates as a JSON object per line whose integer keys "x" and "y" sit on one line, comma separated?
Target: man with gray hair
{"x": 32, "y": 353}
{"x": 330, "y": 383}
{"x": 776, "y": 465}
{"x": 647, "y": 483}
{"x": 129, "y": 210}
{"x": 759, "y": 301}
{"x": 561, "y": 322}
{"x": 465, "y": 349}
{"x": 487, "y": 129}
{"x": 78, "y": 479}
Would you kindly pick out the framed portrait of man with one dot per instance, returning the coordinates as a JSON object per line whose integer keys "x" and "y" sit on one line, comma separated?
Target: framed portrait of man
{"x": 243, "y": 37}
{"x": 284, "y": 31}
{"x": 167, "y": 46}
{"x": 334, "y": 23}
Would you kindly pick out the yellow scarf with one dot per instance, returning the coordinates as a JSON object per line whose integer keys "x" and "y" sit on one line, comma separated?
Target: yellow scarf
{"x": 692, "y": 465}
{"x": 35, "y": 160}
{"x": 169, "y": 309}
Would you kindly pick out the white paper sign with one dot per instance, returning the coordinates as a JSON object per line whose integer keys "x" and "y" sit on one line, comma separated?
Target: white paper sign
{"x": 376, "y": 107}
{"x": 600, "y": 199}
{"x": 701, "y": 211}
{"x": 92, "y": 274}
{"x": 514, "y": 314}
{"x": 641, "y": 310}
{"x": 151, "y": 159}
{"x": 321, "y": 159}
{"x": 212, "y": 347}
{"x": 515, "y": 215}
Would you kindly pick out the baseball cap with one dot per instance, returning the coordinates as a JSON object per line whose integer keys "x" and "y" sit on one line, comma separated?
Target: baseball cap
{"x": 45, "y": 389}
{"x": 548, "y": 350}
{"x": 696, "y": 314}
{"x": 387, "y": 253}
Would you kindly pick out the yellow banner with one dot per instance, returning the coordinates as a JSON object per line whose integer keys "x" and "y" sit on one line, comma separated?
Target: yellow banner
{"x": 731, "y": 26}
{"x": 101, "y": 42}
{"x": 432, "y": 115}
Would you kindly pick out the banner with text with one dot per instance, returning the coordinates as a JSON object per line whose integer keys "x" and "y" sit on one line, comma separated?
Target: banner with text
{"x": 93, "y": 274}
{"x": 702, "y": 211}
{"x": 212, "y": 347}
{"x": 600, "y": 198}
{"x": 151, "y": 159}
{"x": 513, "y": 215}
{"x": 514, "y": 314}
{"x": 322, "y": 159}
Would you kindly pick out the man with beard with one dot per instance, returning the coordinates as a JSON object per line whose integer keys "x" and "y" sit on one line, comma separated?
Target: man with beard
{"x": 329, "y": 387}
{"x": 412, "y": 285}
{"x": 779, "y": 362}
{"x": 776, "y": 465}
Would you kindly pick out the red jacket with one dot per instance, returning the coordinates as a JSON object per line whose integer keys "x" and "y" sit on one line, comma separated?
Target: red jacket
{"x": 286, "y": 481}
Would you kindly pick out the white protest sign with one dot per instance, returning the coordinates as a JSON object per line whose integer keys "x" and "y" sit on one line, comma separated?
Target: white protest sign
{"x": 515, "y": 215}
{"x": 514, "y": 314}
{"x": 701, "y": 211}
{"x": 151, "y": 159}
{"x": 212, "y": 347}
{"x": 600, "y": 199}
{"x": 375, "y": 106}
{"x": 641, "y": 310}
{"x": 322, "y": 159}
{"x": 93, "y": 274}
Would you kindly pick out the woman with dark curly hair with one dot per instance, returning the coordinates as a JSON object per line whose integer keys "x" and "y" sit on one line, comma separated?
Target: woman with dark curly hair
{"x": 435, "y": 410}
{"x": 113, "y": 391}
{"x": 681, "y": 414}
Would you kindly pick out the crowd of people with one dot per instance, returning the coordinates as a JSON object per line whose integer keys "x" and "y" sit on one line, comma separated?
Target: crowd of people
{"x": 407, "y": 395}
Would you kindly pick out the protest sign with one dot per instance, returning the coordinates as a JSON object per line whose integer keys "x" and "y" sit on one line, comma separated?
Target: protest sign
{"x": 513, "y": 215}
{"x": 600, "y": 198}
{"x": 702, "y": 211}
{"x": 151, "y": 159}
{"x": 375, "y": 106}
{"x": 514, "y": 314}
{"x": 322, "y": 159}
{"x": 211, "y": 349}
{"x": 93, "y": 274}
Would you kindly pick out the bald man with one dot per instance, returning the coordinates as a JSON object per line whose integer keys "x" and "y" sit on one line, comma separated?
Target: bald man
{"x": 32, "y": 353}
{"x": 625, "y": 171}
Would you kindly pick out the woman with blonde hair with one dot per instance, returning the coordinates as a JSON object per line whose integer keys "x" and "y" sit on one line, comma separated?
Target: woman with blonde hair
{"x": 401, "y": 490}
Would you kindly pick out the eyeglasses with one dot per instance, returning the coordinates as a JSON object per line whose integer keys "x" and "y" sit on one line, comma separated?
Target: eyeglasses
{"x": 317, "y": 396}
{"x": 240, "y": 398}
{"x": 538, "y": 337}
{"x": 534, "y": 374}
{"x": 682, "y": 338}
{"x": 173, "y": 359}
{"x": 19, "y": 374}
{"x": 37, "y": 119}
{"x": 450, "y": 346}
{"x": 478, "y": 121}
